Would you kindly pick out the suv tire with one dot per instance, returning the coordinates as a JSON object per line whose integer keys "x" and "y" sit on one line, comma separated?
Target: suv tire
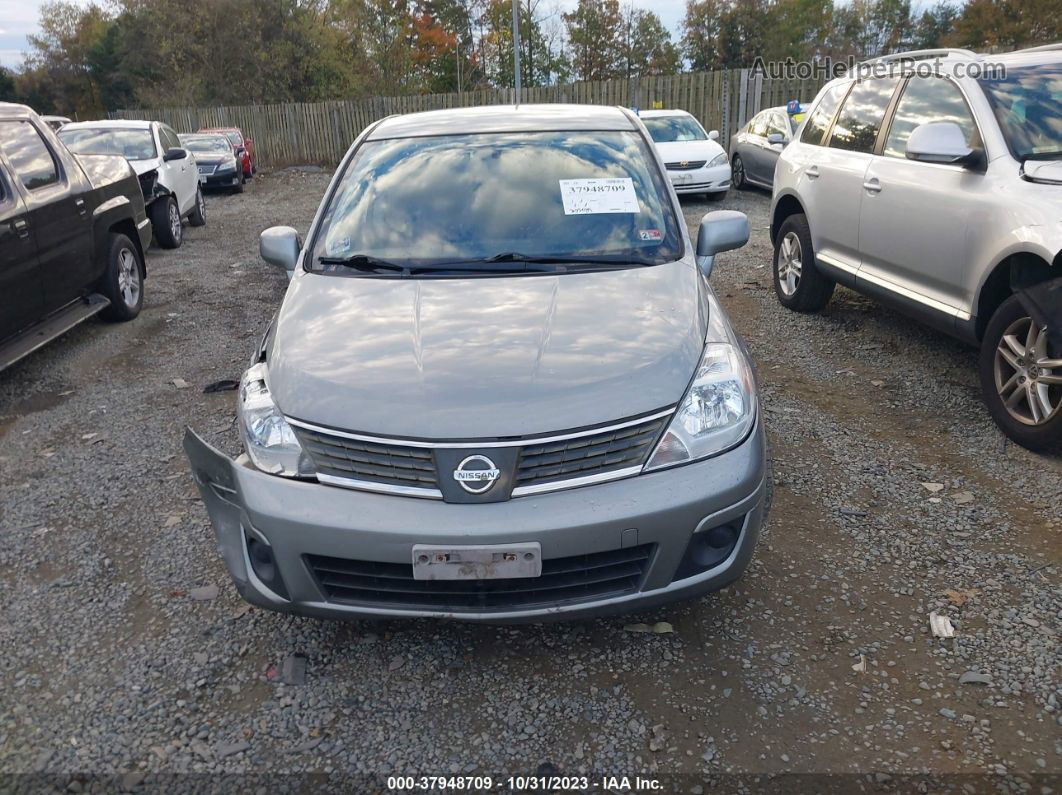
{"x": 1012, "y": 359}
{"x": 168, "y": 231}
{"x": 198, "y": 215}
{"x": 797, "y": 282}
{"x": 123, "y": 279}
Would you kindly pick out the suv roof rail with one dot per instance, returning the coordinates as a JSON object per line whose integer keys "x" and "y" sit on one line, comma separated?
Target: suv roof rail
{"x": 1042, "y": 48}
{"x": 917, "y": 54}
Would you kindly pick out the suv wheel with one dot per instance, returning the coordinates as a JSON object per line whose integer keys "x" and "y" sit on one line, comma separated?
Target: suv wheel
{"x": 122, "y": 281}
{"x": 166, "y": 222}
{"x": 797, "y": 282}
{"x": 1021, "y": 378}
{"x": 737, "y": 173}
{"x": 198, "y": 215}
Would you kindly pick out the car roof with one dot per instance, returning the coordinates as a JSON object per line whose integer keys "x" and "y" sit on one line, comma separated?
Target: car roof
{"x": 653, "y": 114}
{"x": 110, "y": 124}
{"x": 503, "y": 118}
{"x": 15, "y": 109}
{"x": 218, "y": 130}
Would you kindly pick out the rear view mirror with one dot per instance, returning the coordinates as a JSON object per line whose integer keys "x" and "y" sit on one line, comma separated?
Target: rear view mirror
{"x": 775, "y": 138}
{"x": 939, "y": 142}
{"x": 713, "y": 135}
{"x": 175, "y": 153}
{"x": 722, "y": 230}
{"x": 280, "y": 246}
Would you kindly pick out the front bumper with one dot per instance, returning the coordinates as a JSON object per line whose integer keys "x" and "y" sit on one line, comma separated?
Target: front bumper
{"x": 225, "y": 179}
{"x": 713, "y": 179}
{"x": 658, "y": 511}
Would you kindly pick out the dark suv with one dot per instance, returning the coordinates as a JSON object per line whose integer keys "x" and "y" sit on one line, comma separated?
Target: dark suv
{"x": 73, "y": 232}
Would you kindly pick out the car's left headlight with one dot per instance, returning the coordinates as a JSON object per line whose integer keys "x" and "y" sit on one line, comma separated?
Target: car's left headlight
{"x": 719, "y": 408}
{"x": 718, "y": 160}
{"x": 267, "y": 436}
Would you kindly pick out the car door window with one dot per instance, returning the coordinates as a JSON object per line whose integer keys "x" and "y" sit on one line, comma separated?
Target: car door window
{"x": 776, "y": 124}
{"x": 28, "y": 155}
{"x": 759, "y": 125}
{"x": 815, "y": 127}
{"x": 925, "y": 100}
{"x": 169, "y": 139}
{"x": 859, "y": 121}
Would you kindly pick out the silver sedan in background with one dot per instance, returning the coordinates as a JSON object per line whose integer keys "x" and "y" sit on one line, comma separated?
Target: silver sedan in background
{"x": 754, "y": 149}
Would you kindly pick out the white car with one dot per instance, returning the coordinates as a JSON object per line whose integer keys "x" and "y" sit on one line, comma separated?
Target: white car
{"x": 168, "y": 173}
{"x": 695, "y": 161}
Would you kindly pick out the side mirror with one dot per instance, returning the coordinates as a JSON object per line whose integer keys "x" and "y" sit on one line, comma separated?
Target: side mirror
{"x": 775, "y": 138}
{"x": 175, "y": 153}
{"x": 939, "y": 142}
{"x": 280, "y": 246}
{"x": 247, "y": 142}
{"x": 713, "y": 135}
{"x": 722, "y": 230}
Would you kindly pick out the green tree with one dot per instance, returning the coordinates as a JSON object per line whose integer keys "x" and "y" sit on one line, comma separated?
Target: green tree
{"x": 700, "y": 36}
{"x": 595, "y": 39}
{"x": 647, "y": 45}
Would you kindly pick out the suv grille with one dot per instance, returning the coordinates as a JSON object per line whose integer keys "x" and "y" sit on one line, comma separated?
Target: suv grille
{"x": 587, "y": 455}
{"x": 377, "y": 462}
{"x": 686, "y": 165}
{"x": 599, "y": 575}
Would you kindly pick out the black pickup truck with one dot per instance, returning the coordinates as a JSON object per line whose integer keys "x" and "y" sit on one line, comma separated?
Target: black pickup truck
{"x": 73, "y": 232}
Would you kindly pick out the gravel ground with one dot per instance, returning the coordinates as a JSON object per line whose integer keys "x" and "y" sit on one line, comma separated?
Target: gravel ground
{"x": 127, "y": 653}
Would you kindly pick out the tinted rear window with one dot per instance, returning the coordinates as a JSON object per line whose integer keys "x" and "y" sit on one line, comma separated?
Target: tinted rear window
{"x": 29, "y": 156}
{"x": 422, "y": 201}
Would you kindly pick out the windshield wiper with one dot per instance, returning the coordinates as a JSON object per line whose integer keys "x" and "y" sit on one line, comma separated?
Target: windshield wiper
{"x": 366, "y": 262}
{"x": 575, "y": 259}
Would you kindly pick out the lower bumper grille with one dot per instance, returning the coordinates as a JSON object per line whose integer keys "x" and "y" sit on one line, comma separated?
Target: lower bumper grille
{"x": 580, "y": 578}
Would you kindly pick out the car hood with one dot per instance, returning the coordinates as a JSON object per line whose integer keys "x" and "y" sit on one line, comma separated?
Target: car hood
{"x": 689, "y": 150}
{"x": 486, "y": 357}
{"x": 144, "y": 166}
{"x": 213, "y": 160}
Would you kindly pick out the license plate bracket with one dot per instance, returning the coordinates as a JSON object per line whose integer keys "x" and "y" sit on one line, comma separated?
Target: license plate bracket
{"x": 477, "y": 562}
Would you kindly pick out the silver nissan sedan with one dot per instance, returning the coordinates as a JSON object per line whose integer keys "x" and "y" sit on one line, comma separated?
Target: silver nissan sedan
{"x": 499, "y": 387}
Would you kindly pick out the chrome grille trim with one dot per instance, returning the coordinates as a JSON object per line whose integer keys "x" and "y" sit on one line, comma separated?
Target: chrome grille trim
{"x": 382, "y": 488}
{"x": 390, "y": 440}
{"x": 572, "y": 483}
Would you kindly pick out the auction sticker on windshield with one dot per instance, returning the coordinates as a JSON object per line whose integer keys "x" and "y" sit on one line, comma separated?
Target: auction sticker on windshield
{"x": 596, "y": 196}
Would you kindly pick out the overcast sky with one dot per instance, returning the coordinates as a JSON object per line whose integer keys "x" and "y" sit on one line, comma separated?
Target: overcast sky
{"x": 18, "y": 18}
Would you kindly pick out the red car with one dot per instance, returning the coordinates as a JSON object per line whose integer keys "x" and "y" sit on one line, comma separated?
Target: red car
{"x": 242, "y": 147}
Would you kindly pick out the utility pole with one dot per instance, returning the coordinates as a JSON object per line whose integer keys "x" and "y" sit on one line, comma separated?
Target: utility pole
{"x": 516, "y": 52}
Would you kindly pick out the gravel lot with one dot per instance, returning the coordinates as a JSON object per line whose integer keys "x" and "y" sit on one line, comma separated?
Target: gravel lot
{"x": 895, "y": 496}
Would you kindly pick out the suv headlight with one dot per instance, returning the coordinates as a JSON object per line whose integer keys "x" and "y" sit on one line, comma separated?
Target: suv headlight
{"x": 719, "y": 407}
{"x": 268, "y": 438}
{"x": 718, "y": 160}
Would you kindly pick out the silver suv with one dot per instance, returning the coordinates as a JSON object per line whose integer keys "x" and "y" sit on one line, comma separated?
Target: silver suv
{"x": 499, "y": 386}
{"x": 937, "y": 188}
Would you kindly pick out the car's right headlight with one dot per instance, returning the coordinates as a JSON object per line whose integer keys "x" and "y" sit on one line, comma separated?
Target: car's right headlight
{"x": 719, "y": 408}
{"x": 268, "y": 438}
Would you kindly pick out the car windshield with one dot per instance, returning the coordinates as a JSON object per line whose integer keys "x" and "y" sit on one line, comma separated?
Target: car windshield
{"x": 667, "y": 129}
{"x": 130, "y": 144}
{"x": 212, "y": 145}
{"x": 480, "y": 200}
{"x": 1026, "y": 103}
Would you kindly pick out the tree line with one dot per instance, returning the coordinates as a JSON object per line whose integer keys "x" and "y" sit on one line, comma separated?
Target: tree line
{"x": 91, "y": 58}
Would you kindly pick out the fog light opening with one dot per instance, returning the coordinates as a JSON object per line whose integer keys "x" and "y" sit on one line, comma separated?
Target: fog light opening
{"x": 265, "y": 566}
{"x": 706, "y": 550}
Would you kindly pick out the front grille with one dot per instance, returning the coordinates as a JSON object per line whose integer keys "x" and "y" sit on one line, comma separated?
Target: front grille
{"x": 685, "y": 165}
{"x": 587, "y": 455}
{"x": 599, "y": 575}
{"x": 376, "y": 462}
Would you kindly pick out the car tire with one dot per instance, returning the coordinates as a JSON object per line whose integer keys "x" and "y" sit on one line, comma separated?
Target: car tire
{"x": 166, "y": 222}
{"x": 238, "y": 187}
{"x": 123, "y": 280}
{"x": 737, "y": 174}
{"x": 198, "y": 215}
{"x": 797, "y": 282}
{"x": 716, "y": 196}
{"x": 1012, "y": 365}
